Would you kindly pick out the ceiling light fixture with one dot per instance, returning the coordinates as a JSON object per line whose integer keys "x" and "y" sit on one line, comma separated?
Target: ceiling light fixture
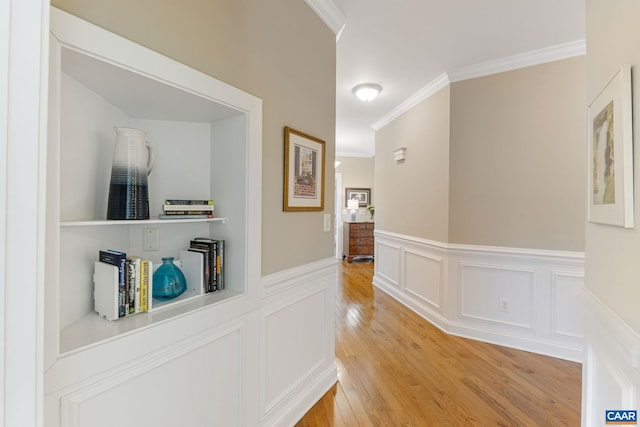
{"x": 367, "y": 91}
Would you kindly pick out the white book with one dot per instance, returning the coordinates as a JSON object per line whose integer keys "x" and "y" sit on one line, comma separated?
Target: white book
{"x": 193, "y": 269}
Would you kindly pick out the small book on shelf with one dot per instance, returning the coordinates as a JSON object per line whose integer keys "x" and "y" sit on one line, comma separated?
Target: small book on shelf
{"x": 185, "y": 216}
{"x": 188, "y": 208}
{"x": 188, "y": 202}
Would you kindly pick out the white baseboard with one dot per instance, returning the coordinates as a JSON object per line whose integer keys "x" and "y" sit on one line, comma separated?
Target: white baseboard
{"x": 521, "y": 298}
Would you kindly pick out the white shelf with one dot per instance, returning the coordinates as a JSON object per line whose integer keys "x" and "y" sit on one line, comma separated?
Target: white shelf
{"x": 93, "y": 329}
{"x": 101, "y": 223}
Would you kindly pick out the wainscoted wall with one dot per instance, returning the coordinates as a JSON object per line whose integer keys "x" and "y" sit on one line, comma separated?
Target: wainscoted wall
{"x": 266, "y": 367}
{"x": 297, "y": 341}
{"x": 611, "y": 369}
{"x": 521, "y": 298}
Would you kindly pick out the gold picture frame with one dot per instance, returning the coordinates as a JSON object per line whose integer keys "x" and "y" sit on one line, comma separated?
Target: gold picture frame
{"x": 303, "y": 171}
{"x": 610, "y": 180}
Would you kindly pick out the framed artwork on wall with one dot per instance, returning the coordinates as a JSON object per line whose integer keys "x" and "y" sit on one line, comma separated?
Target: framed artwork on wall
{"x": 303, "y": 171}
{"x": 610, "y": 180}
{"x": 363, "y": 195}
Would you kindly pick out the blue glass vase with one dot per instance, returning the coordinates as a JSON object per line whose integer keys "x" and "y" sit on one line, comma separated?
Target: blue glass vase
{"x": 168, "y": 280}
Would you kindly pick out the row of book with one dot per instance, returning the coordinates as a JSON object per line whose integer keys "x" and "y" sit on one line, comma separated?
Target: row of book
{"x": 187, "y": 208}
{"x": 212, "y": 251}
{"x": 124, "y": 284}
{"x": 134, "y": 284}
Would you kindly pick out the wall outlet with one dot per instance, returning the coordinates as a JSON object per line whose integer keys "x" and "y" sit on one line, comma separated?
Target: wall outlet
{"x": 150, "y": 239}
{"x": 504, "y": 305}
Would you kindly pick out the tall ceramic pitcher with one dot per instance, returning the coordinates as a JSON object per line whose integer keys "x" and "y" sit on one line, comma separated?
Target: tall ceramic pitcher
{"x": 132, "y": 163}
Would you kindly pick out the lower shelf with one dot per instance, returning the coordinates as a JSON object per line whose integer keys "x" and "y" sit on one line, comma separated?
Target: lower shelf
{"x": 92, "y": 328}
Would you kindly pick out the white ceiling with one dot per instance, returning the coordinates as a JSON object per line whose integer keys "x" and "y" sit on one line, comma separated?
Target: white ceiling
{"x": 404, "y": 45}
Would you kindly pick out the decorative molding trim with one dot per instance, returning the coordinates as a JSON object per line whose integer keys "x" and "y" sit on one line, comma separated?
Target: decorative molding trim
{"x": 429, "y": 257}
{"x": 430, "y": 89}
{"x": 459, "y": 249}
{"x": 611, "y": 369}
{"x": 510, "y": 63}
{"x": 556, "y": 276}
{"x": 287, "y": 279}
{"x": 526, "y": 59}
{"x": 330, "y": 15}
{"x": 70, "y": 403}
{"x": 496, "y": 269}
{"x": 395, "y": 248}
{"x": 412, "y": 239}
{"x": 601, "y": 319}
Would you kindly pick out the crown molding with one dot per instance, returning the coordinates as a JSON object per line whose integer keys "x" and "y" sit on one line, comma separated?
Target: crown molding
{"x": 434, "y": 86}
{"x": 330, "y": 15}
{"x": 359, "y": 154}
{"x": 527, "y": 59}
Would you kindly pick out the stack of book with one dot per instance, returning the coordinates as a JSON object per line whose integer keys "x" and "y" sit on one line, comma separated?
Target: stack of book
{"x": 123, "y": 284}
{"x": 186, "y": 209}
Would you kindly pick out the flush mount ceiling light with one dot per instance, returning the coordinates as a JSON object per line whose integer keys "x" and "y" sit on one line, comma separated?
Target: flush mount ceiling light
{"x": 367, "y": 91}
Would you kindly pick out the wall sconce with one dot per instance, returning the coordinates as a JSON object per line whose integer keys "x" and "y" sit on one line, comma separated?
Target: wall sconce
{"x": 400, "y": 154}
{"x": 367, "y": 91}
{"x": 353, "y": 206}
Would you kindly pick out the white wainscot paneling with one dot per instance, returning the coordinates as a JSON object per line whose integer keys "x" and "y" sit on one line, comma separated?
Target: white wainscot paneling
{"x": 498, "y": 294}
{"x": 297, "y": 345}
{"x": 170, "y": 389}
{"x": 387, "y": 265}
{"x": 294, "y": 345}
{"x": 566, "y": 315}
{"x": 611, "y": 369}
{"x": 424, "y": 277}
{"x": 521, "y": 298}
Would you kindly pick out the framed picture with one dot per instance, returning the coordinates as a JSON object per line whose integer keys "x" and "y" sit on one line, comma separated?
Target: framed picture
{"x": 303, "y": 171}
{"x": 610, "y": 180}
{"x": 363, "y": 195}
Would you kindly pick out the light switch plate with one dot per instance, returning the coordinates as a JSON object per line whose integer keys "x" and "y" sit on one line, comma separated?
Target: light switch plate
{"x": 327, "y": 222}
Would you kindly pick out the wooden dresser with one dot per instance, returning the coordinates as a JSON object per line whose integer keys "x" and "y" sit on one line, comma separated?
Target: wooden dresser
{"x": 357, "y": 240}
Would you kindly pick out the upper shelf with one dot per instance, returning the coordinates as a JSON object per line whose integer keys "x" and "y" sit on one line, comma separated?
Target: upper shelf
{"x": 101, "y": 223}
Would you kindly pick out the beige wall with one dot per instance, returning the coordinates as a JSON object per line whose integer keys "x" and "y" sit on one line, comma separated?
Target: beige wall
{"x": 413, "y": 197}
{"x": 612, "y": 253}
{"x": 357, "y": 172}
{"x": 279, "y": 51}
{"x": 497, "y": 161}
{"x": 518, "y": 152}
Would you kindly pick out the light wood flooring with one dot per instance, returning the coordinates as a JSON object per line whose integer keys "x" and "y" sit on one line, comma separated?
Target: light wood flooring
{"x": 396, "y": 369}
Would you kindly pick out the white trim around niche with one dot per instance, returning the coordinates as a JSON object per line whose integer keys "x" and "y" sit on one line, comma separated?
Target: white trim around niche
{"x": 520, "y": 298}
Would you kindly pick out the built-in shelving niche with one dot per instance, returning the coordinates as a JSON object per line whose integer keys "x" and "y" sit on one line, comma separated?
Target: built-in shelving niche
{"x": 202, "y": 133}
